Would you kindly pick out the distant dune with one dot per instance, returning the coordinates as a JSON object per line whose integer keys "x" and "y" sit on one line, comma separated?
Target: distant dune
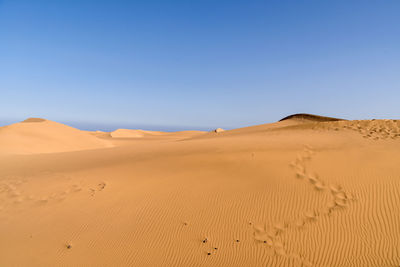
{"x": 35, "y": 135}
{"x": 34, "y": 120}
{"x": 127, "y": 133}
{"x": 305, "y": 191}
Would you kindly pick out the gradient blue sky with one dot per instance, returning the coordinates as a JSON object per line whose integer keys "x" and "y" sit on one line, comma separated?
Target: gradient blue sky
{"x": 197, "y": 64}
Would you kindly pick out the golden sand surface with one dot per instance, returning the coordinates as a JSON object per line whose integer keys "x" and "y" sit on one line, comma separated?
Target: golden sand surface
{"x": 299, "y": 192}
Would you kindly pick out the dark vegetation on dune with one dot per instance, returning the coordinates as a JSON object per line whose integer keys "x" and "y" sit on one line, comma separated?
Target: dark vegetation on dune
{"x": 311, "y": 117}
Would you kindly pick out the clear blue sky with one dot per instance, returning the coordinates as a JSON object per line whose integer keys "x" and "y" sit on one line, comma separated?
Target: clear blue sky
{"x": 197, "y": 64}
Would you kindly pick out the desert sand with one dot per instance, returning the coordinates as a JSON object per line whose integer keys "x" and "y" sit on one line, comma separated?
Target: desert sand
{"x": 304, "y": 191}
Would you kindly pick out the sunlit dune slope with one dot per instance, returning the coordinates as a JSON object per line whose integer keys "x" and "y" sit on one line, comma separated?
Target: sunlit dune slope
{"x": 36, "y": 135}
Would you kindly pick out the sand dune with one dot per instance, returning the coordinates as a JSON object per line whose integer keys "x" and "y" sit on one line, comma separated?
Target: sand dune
{"x": 299, "y": 192}
{"x": 36, "y": 135}
{"x": 127, "y": 133}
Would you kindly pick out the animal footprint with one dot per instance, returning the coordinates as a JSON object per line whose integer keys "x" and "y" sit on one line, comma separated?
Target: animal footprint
{"x": 92, "y": 192}
{"x": 101, "y": 186}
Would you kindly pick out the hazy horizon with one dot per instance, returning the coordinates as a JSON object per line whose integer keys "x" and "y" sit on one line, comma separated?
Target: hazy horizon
{"x": 99, "y": 126}
{"x": 94, "y": 126}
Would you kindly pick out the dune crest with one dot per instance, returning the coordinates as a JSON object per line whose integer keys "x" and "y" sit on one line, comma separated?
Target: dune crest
{"x": 34, "y": 120}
